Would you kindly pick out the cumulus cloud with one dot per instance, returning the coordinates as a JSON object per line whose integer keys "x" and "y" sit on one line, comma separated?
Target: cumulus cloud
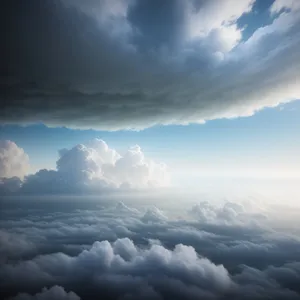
{"x": 154, "y": 214}
{"x": 55, "y": 292}
{"x": 133, "y": 64}
{"x": 127, "y": 270}
{"x": 121, "y": 207}
{"x": 124, "y": 265}
{"x": 229, "y": 212}
{"x": 94, "y": 167}
{"x": 133, "y": 169}
{"x": 14, "y": 162}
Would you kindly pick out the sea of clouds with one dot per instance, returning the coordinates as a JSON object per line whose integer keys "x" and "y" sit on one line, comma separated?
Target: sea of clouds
{"x": 154, "y": 246}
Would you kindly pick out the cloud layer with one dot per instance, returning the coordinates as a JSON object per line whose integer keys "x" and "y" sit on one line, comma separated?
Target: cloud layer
{"x": 109, "y": 249}
{"x": 133, "y": 64}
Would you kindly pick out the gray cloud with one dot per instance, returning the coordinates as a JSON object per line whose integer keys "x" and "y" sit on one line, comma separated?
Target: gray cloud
{"x": 154, "y": 214}
{"x": 55, "y": 292}
{"x": 10, "y": 185}
{"x": 123, "y": 258}
{"x": 133, "y": 64}
{"x": 106, "y": 247}
{"x": 14, "y": 246}
{"x": 123, "y": 267}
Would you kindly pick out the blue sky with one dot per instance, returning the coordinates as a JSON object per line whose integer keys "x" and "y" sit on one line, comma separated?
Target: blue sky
{"x": 258, "y": 17}
{"x": 267, "y": 141}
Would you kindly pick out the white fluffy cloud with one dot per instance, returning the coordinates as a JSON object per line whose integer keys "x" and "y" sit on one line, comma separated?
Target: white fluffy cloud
{"x": 228, "y": 214}
{"x": 135, "y": 170}
{"x": 93, "y": 166}
{"x": 13, "y": 160}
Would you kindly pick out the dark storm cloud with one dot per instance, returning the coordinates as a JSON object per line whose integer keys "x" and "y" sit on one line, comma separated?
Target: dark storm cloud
{"x": 160, "y": 24}
{"x": 133, "y": 64}
{"x": 55, "y": 292}
{"x": 116, "y": 251}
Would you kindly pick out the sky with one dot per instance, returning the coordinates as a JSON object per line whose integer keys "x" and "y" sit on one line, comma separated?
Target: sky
{"x": 267, "y": 142}
{"x": 149, "y": 149}
{"x": 208, "y": 88}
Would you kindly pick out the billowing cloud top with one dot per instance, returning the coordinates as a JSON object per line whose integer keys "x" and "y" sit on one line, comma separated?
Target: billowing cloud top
{"x": 85, "y": 168}
{"x": 13, "y": 160}
{"x": 136, "y": 63}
